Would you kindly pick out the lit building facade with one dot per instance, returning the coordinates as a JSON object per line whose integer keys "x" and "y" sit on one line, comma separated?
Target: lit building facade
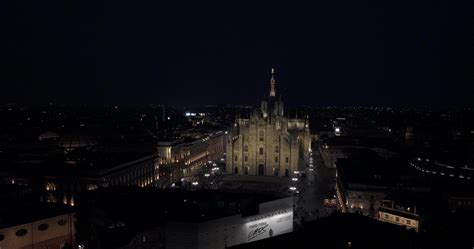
{"x": 268, "y": 143}
{"x": 402, "y": 216}
{"x": 185, "y": 159}
{"x": 63, "y": 181}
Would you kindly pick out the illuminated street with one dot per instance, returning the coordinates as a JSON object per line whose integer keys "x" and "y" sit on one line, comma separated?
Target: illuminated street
{"x": 318, "y": 185}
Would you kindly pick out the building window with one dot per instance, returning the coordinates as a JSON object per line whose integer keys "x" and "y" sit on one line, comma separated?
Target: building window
{"x": 287, "y": 172}
{"x": 276, "y": 149}
{"x": 260, "y": 136}
{"x": 62, "y": 222}
{"x": 246, "y": 148}
{"x": 21, "y": 232}
{"x": 276, "y": 172}
{"x": 236, "y": 170}
{"x": 246, "y": 158}
{"x": 246, "y": 170}
{"x": 287, "y": 159}
{"x": 276, "y": 159}
{"x": 386, "y": 216}
{"x": 408, "y": 222}
{"x": 43, "y": 227}
{"x": 397, "y": 219}
{"x": 260, "y": 151}
{"x": 236, "y": 158}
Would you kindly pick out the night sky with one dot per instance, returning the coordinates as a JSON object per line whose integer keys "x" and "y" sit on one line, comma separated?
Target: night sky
{"x": 342, "y": 52}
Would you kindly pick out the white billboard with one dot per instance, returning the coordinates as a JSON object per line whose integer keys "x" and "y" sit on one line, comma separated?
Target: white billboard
{"x": 268, "y": 225}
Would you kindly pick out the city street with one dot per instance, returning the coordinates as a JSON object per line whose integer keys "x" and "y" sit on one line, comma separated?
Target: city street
{"x": 318, "y": 185}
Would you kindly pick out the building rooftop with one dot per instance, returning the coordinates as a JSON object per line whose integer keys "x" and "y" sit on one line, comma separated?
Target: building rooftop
{"x": 365, "y": 169}
{"x": 15, "y": 212}
{"x": 126, "y": 211}
{"x": 337, "y": 231}
{"x": 80, "y": 162}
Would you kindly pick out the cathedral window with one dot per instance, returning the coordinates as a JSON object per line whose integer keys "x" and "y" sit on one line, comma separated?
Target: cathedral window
{"x": 276, "y": 149}
{"x": 287, "y": 160}
{"x": 260, "y": 151}
{"x": 276, "y": 172}
{"x": 260, "y": 136}
{"x": 246, "y": 170}
{"x": 236, "y": 158}
{"x": 246, "y": 148}
{"x": 246, "y": 158}
{"x": 276, "y": 159}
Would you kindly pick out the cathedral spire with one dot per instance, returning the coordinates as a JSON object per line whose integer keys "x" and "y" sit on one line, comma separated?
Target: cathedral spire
{"x": 272, "y": 84}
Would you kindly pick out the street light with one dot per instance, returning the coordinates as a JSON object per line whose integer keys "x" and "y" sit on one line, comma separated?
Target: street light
{"x": 294, "y": 179}
{"x": 292, "y": 188}
{"x": 207, "y": 175}
{"x": 195, "y": 183}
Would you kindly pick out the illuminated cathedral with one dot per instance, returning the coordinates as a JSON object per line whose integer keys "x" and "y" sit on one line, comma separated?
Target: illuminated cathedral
{"x": 268, "y": 143}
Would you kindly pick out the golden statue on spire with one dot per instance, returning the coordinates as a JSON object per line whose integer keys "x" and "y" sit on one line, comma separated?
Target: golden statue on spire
{"x": 272, "y": 84}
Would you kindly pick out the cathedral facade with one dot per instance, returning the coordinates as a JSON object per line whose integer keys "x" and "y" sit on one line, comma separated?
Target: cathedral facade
{"x": 268, "y": 143}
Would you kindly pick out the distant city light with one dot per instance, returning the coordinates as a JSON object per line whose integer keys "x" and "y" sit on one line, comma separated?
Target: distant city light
{"x": 188, "y": 114}
{"x": 195, "y": 183}
{"x": 292, "y": 188}
{"x": 169, "y": 118}
{"x": 294, "y": 179}
{"x": 207, "y": 175}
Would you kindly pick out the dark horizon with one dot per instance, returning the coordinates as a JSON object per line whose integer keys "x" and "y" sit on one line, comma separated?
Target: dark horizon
{"x": 383, "y": 54}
